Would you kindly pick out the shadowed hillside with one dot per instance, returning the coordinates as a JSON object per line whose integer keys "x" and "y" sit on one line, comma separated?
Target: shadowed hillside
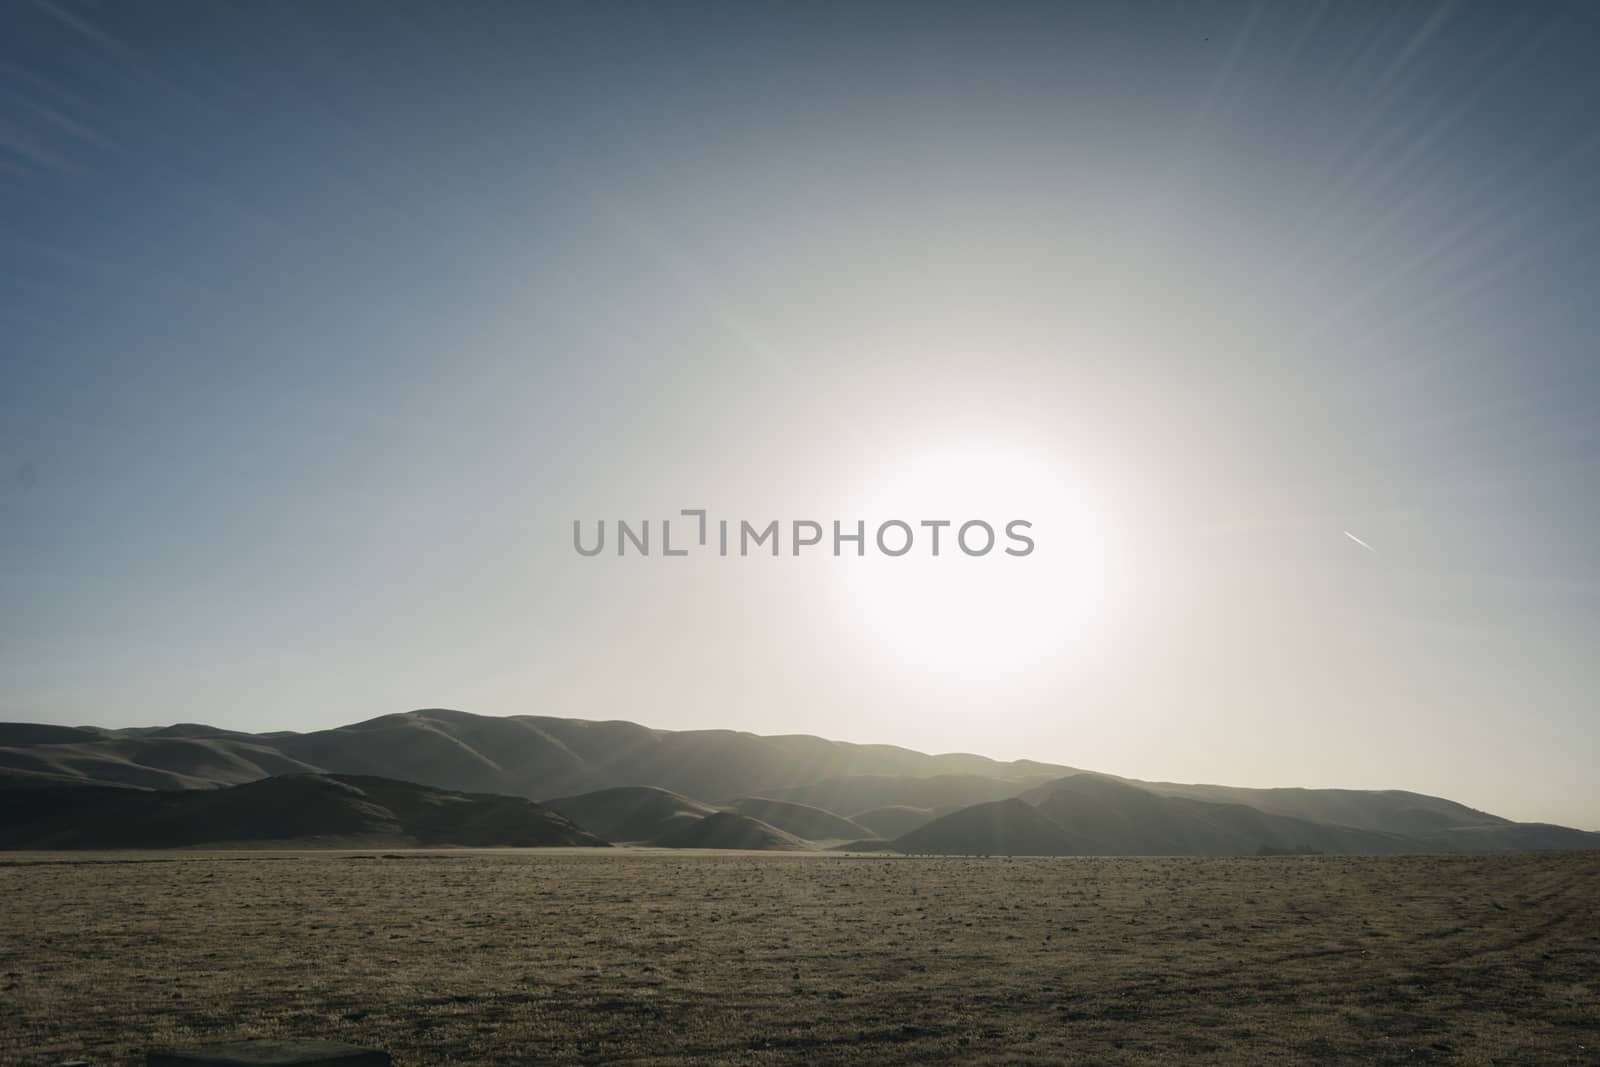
{"x": 1106, "y": 817}
{"x": 1393, "y": 810}
{"x": 802, "y": 820}
{"x": 631, "y": 813}
{"x": 147, "y": 762}
{"x": 727, "y": 829}
{"x": 33, "y": 733}
{"x": 631, "y": 783}
{"x": 1095, "y": 815}
{"x": 298, "y": 810}
{"x": 938, "y": 793}
{"x": 526, "y": 755}
{"x": 1002, "y": 828}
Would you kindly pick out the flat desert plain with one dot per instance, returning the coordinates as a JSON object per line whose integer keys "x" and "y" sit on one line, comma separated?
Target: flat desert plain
{"x": 620, "y": 956}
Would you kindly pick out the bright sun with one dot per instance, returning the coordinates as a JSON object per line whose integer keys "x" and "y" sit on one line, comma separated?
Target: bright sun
{"x": 994, "y": 616}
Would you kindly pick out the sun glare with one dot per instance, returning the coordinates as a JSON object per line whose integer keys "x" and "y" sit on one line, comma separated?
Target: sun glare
{"x": 993, "y": 616}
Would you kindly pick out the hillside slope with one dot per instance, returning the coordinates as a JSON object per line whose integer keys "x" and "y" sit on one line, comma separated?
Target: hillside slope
{"x": 1103, "y": 816}
{"x": 540, "y": 757}
{"x": 1390, "y": 810}
{"x": 145, "y": 762}
{"x": 801, "y": 820}
{"x": 294, "y": 810}
{"x": 631, "y": 813}
{"x": 939, "y": 794}
{"x": 730, "y": 830}
{"x": 1001, "y": 828}
{"x": 525, "y": 755}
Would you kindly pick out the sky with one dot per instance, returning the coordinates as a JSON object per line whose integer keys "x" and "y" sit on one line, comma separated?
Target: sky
{"x": 324, "y": 323}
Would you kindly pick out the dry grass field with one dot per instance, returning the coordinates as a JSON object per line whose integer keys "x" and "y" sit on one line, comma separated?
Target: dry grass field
{"x": 670, "y": 958}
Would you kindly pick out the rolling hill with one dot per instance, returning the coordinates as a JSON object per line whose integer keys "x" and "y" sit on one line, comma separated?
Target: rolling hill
{"x": 524, "y": 755}
{"x": 730, "y": 830}
{"x": 645, "y": 815}
{"x": 631, "y": 813}
{"x": 1001, "y": 828}
{"x": 1391, "y": 810}
{"x": 146, "y": 762}
{"x": 1104, "y": 816}
{"x": 626, "y": 782}
{"x": 801, "y": 820}
{"x": 290, "y": 811}
{"x": 938, "y": 793}
{"x": 1097, "y": 815}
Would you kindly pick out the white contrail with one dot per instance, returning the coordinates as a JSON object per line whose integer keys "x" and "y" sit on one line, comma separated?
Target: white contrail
{"x": 1360, "y": 542}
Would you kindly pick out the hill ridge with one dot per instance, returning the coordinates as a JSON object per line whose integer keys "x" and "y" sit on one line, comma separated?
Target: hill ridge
{"x": 282, "y": 811}
{"x": 799, "y": 784}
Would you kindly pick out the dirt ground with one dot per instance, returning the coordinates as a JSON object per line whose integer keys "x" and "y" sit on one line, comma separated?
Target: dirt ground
{"x": 517, "y": 957}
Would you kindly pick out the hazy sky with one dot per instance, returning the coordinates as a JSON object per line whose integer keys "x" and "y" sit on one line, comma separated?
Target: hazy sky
{"x": 323, "y": 322}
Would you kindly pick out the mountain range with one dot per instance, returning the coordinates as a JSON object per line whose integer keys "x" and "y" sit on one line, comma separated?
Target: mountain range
{"x": 440, "y": 777}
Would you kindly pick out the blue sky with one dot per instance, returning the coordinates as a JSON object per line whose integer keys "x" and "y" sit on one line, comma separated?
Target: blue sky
{"x": 323, "y": 322}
